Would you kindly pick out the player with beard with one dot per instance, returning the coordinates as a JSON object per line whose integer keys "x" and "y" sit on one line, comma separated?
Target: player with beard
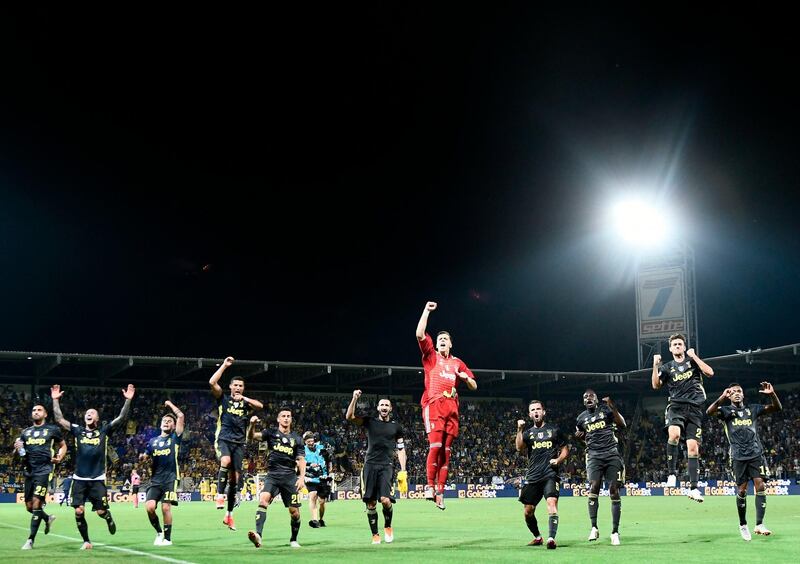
{"x": 684, "y": 415}
{"x": 383, "y": 436}
{"x": 36, "y": 445}
{"x": 546, "y": 448}
{"x": 746, "y": 451}
{"x": 598, "y": 425}
{"x": 91, "y": 443}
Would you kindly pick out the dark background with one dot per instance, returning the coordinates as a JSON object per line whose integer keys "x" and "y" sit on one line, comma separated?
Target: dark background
{"x": 295, "y": 184}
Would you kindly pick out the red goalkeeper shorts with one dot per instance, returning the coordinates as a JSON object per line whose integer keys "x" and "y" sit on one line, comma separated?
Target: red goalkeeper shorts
{"x": 441, "y": 415}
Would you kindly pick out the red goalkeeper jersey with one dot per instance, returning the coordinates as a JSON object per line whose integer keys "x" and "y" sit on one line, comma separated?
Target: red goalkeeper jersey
{"x": 441, "y": 372}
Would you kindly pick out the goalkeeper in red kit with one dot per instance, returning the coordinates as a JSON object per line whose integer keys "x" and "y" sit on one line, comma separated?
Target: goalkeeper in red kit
{"x": 443, "y": 372}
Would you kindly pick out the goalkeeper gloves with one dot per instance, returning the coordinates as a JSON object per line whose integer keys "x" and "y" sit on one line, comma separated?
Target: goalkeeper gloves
{"x": 402, "y": 481}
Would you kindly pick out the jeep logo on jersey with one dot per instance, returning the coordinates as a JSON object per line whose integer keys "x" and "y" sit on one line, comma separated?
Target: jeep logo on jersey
{"x": 594, "y": 426}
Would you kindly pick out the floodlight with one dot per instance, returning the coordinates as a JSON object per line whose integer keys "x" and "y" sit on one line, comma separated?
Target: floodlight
{"x": 638, "y": 223}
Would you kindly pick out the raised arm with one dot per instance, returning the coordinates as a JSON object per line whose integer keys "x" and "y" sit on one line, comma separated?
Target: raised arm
{"x": 519, "y": 443}
{"x": 618, "y": 419}
{"x": 714, "y": 407}
{"x": 422, "y": 326}
{"x": 351, "y": 409}
{"x": 55, "y": 393}
{"x": 216, "y": 390}
{"x": 179, "y": 421}
{"x": 126, "y": 407}
{"x": 766, "y": 388}
{"x": 707, "y": 370}
{"x": 252, "y": 434}
{"x": 654, "y": 379}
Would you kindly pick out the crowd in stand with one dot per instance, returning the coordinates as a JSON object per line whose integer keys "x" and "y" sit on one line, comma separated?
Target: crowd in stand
{"x": 483, "y": 453}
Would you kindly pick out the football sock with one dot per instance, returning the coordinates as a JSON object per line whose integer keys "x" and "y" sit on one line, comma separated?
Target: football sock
{"x": 261, "y": 518}
{"x": 387, "y": 515}
{"x": 231, "y": 496}
{"x": 533, "y": 525}
{"x": 593, "y": 509}
{"x": 222, "y": 480}
{"x": 444, "y": 464}
{"x": 83, "y": 528}
{"x": 432, "y": 464}
{"x": 616, "y": 511}
{"x": 36, "y": 520}
{"x": 741, "y": 507}
{"x": 552, "y": 522}
{"x": 154, "y": 522}
{"x": 694, "y": 470}
{"x": 372, "y": 517}
{"x": 672, "y": 457}
{"x": 761, "y": 506}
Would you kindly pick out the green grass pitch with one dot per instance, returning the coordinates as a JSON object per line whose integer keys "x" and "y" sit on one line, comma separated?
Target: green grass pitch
{"x": 657, "y": 529}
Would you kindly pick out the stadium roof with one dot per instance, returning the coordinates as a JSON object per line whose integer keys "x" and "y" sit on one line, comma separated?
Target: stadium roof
{"x": 778, "y": 365}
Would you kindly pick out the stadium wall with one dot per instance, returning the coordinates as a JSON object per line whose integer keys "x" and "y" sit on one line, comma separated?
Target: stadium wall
{"x": 478, "y": 491}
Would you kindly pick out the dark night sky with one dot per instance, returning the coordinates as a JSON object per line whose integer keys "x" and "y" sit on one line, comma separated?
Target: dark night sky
{"x": 337, "y": 167}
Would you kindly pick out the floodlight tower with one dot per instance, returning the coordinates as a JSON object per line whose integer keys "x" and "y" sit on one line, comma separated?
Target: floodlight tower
{"x": 666, "y": 301}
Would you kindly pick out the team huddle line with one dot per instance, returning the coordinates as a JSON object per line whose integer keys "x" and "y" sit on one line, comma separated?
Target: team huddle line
{"x": 295, "y": 463}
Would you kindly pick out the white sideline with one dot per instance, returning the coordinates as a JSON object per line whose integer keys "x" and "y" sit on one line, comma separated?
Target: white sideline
{"x": 103, "y": 545}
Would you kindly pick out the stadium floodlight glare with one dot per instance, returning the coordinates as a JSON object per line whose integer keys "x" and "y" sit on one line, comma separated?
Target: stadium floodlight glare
{"x": 637, "y": 223}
